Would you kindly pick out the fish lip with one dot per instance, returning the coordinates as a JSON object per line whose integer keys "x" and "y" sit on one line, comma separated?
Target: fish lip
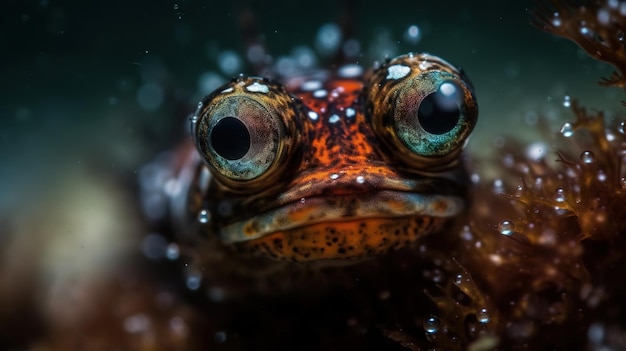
{"x": 347, "y": 182}
{"x": 321, "y": 208}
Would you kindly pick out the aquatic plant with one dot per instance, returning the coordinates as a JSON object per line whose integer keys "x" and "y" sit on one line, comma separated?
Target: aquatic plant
{"x": 598, "y": 27}
{"x": 545, "y": 241}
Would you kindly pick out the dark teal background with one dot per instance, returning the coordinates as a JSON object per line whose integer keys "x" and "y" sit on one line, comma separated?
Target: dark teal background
{"x": 70, "y": 71}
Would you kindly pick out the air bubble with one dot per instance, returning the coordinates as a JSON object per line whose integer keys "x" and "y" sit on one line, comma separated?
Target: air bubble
{"x": 559, "y": 195}
{"x": 482, "y": 316}
{"x": 412, "y": 35}
{"x": 567, "y": 101}
{"x": 432, "y": 325}
{"x": 506, "y": 227}
{"x": 498, "y": 186}
{"x": 587, "y": 157}
{"x": 604, "y": 17}
{"x": 567, "y": 130}
{"x": 153, "y": 246}
{"x": 328, "y": 39}
{"x": 475, "y": 178}
{"x": 172, "y": 252}
{"x": 556, "y": 20}
{"x": 137, "y": 323}
{"x": 220, "y": 337}
{"x": 204, "y": 216}
{"x": 193, "y": 281}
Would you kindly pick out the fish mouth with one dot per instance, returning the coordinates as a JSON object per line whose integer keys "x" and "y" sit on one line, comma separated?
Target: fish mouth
{"x": 389, "y": 199}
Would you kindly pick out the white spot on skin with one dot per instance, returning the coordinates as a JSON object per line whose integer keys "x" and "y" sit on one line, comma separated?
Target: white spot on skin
{"x": 257, "y": 87}
{"x": 350, "y": 112}
{"x": 313, "y": 116}
{"x": 321, "y": 93}
{"x": 397, "y": 71}
{"x": 425, "y": 65}
{"x": 333, "y": 119}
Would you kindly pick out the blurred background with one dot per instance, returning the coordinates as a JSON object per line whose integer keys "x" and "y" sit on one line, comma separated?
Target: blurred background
{"x": 92, "y": 90}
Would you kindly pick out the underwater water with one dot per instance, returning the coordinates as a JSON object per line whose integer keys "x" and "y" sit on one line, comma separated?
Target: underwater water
{"x": 103, "y": 85}
{"x": 92, "y": 91}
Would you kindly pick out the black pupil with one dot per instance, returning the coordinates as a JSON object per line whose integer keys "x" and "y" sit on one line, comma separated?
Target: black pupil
{"x": 230, "y": 138}
{"x": 439, "y": 112}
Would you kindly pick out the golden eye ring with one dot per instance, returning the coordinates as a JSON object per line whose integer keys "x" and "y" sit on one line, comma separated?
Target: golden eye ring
{"x": 246, "y": 132}
{"x": 423, "y": 109}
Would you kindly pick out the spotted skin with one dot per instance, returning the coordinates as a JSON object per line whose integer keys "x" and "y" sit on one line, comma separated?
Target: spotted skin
{"x": 335, "y": 189}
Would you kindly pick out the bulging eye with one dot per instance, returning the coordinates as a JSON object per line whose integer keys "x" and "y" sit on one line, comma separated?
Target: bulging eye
{"x": 423, "y": 109}
{"x": 246, "y": 131}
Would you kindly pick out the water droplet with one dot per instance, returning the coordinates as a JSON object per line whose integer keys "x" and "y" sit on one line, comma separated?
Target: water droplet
{"x": 475, "y": 178}
{"x": 137, "y": 323}
{"x": 172, "y": 252}
{"x": 458, "y": 279}
{"x": 559, "y": 195}
{"x": 412, "y": 34}
{"x": 622, "y": 182}
{"x": 604, "y": 17}
{"x": 587, "y": 157}
{"x": 328, "y": 39}
{"x": 622, "y": 127}
{"x": 360, "y": 179}
{"x": 334, "y": 176}
{"x": 220, "y": 337}
{"x": 567, "y": 130}
{"x": 432, "y": 325}
{"x": 566, "y": 101}
{"x": 482, "y": 316}
{"x": 596, "y": 334}
{"x": 175, "y": 6}
{"x": 204, "y": 216}
{"x": 193, "y": 281}
{"x": 466, "y": 233}
{"x": 498, "y": 186}
{"x": 601, "y": 176}
{"x": 536, "y": 151}
{"x": 153, "y": 246}
{"x": 506, "y": 227}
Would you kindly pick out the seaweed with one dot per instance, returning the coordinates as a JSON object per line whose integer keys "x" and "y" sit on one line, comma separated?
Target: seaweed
{"x": 598, "y": 27}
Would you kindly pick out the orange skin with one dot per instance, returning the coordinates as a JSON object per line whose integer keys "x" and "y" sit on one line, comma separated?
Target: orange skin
{"x": 335, "y": 191}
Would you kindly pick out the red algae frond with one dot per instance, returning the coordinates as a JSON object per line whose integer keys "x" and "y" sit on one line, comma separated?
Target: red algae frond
{"x": 598, "y": 27}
